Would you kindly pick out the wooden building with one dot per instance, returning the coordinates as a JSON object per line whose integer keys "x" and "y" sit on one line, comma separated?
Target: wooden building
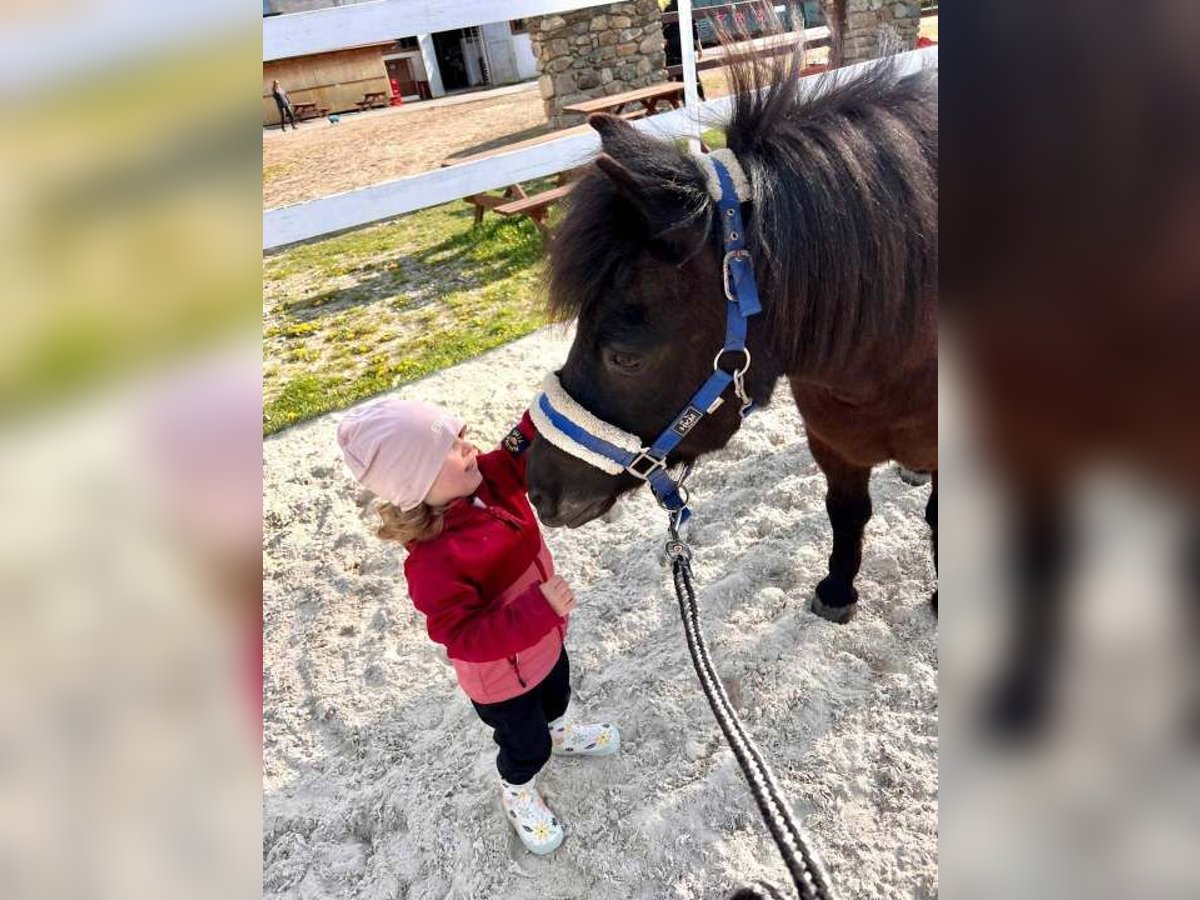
{"x": 338, "y": 81}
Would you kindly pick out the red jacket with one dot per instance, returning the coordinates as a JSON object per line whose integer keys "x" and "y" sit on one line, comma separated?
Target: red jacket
{"x": 478, "y": 582}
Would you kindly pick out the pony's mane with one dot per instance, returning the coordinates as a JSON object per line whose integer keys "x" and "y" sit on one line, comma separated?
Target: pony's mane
{"x": 843, "y": 216}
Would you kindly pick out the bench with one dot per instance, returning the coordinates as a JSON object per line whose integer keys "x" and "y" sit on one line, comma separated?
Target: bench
{"x": 535, "y": 206}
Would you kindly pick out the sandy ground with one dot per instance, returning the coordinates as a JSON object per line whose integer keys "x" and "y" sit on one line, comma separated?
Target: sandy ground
{"x": 379, "y": 781}
{"x": 365, "y": 149}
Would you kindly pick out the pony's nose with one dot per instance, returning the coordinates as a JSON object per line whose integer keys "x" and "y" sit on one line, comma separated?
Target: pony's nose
{"x": 544, "y": 503}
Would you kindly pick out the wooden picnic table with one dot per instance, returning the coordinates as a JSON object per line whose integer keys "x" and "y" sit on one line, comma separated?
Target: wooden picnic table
{"x": 515, "y": 200}
{"x": 372, "y": 99}
{"x": 308, "y": 110}
{"x": 669, "y": 92}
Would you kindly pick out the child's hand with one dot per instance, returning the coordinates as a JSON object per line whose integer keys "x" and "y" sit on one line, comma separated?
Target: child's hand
{"x": 559, "y": 595}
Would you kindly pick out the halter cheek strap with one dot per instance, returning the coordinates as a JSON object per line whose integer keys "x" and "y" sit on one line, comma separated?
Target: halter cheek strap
{"x": 576, "y": 431}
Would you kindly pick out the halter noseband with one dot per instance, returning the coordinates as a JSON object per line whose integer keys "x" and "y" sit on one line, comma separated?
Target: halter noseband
{"x": 574, "y": 430}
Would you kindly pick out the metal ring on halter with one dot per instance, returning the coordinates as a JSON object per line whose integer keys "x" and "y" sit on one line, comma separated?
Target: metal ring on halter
{"x": 738, "y": 373}
{"x": 730, "y": 293}
{"x": 683, "y": 495}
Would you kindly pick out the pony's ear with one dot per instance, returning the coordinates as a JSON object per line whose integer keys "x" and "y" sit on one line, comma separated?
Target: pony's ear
{"x": 616, "y": 134}
{"x": 623, "y": 145}
{"x": 666, "y": 212}
{"x": 662, "y": 208}
{"x": 635, "y": 188}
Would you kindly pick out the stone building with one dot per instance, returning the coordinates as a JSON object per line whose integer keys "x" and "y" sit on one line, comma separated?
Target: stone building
{"x": 596, "y": 52}
{"x": 864, "y": 29}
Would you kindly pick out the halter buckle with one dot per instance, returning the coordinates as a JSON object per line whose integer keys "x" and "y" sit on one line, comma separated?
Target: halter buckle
{"x": 726, "y": 272}
{"x": 654, "y": 464}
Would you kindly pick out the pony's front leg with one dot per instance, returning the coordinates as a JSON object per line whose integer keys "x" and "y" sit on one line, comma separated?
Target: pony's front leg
{"x": 1021, "y": 700}
{"x": 848, "y": 502}
{"x": 931, "y": 521}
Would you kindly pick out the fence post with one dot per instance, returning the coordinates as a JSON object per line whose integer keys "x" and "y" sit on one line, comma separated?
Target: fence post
{"x": 687, "y": 52}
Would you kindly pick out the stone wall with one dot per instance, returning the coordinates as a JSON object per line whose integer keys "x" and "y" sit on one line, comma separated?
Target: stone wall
{"x": 864, "y": 29}
{"x": 596, "y": 52}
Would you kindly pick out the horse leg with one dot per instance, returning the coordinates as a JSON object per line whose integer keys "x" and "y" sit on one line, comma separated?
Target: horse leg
{"x": 1021, "y": 701}
{"x": 931, "y": 520}
{"x": 1191, "y": 599}
{"x": 848, "y": 502}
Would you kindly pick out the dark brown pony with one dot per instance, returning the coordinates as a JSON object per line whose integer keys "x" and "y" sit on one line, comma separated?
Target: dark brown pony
{"x": 842, "y": 226}
{"x": 1075, "y": 228}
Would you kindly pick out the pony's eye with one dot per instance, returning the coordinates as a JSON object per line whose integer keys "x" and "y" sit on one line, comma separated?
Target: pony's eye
{"x": 622, "y": 361}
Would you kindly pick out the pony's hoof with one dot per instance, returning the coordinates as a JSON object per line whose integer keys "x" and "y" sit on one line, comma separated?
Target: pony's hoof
{"x": 839, "y": 615}
{"x": 1017, "y": 712}
{"x": 912, "y": 476}
{"x": 835, "y": 601}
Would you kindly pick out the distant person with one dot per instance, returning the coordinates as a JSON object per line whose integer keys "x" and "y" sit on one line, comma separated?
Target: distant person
{"x": 284, "y": 102}
{"x": 674, "y": 48}
{"x": 480, "y": 572}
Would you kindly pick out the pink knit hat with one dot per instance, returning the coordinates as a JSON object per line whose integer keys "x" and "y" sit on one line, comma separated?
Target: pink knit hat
{"x": 396, "y": 447}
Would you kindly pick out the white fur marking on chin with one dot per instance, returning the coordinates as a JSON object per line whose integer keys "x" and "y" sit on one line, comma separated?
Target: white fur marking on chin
{"x": 741, "y": 184}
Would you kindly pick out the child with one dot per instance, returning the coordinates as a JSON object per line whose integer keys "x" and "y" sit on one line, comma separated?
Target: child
{"x": 479, "y": 570}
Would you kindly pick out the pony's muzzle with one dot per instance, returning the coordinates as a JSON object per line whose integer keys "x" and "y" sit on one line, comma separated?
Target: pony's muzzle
{"x": 545, "y": 504}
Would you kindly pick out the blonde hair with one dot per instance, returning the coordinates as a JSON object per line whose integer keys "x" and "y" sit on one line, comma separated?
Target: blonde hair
{"x": 422, "y": 523}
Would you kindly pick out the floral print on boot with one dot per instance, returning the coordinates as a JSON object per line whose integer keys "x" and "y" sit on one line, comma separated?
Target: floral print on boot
{"x": 536, "y": 825}
{"x": 574, "y": 739}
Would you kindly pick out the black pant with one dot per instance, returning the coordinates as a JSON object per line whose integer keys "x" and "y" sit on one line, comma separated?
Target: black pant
{"x": 285, "y": 109}
{"x": 520, "y": 724}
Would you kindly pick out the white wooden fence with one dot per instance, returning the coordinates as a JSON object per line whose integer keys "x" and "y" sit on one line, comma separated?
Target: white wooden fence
{"x": 344, "y": 26}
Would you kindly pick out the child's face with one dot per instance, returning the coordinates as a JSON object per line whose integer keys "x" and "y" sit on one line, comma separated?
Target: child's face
{"x": 459, "y": 475}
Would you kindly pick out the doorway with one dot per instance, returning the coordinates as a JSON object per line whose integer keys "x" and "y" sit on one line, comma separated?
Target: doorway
{"x": 448, "y": 48}
{"x": 400, "y": 75}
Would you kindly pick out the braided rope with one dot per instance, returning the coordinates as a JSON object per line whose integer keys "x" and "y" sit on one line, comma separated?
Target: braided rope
{"x": 807, "y": 871}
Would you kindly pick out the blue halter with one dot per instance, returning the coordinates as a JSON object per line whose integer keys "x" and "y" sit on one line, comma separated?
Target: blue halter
{"x": 741, "y": 290}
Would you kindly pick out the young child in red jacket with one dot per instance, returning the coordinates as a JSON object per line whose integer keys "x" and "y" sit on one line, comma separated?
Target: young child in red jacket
{"x": 480, "y": 572}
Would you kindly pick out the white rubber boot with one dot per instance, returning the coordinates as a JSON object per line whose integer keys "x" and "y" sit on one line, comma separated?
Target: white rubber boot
{"x": 575, "y": 739}
{"x": 536, "y": 825}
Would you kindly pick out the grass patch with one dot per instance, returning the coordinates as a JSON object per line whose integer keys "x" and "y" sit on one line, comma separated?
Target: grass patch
{"x": 428, "y": 291}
